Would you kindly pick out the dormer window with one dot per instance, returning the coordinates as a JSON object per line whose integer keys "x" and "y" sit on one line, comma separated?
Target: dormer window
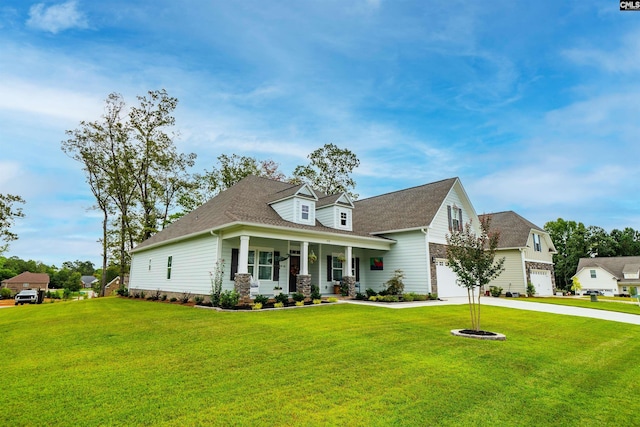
{"x": 343, "y": 219}
{"x": 305, "y": 212}
{"x": 536, "y": 243}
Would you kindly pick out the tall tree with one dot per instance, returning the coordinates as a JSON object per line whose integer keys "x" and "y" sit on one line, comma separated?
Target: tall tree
{"x": 570, "y": 240}
{"x": 8, "y": 213}
{"x": 329, "y": 170}
{"x": 600, "y": 243}
{"x": 472, "y": 258}
{"x": 228, "y": 171}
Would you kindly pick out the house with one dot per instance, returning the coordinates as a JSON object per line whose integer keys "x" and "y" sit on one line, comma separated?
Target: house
{"x": 27, "y": 280}
{"x": 269, "y": 233}
{"x": 609, "y": 275}
{"x": 88, "y": 281}
{"x": 111, "y": 287}
{"x": 528, "y": 251}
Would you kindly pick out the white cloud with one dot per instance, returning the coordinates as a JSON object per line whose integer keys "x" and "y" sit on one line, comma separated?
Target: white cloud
{"x": 623, "y": 58}
{"x": 56, "y": 18}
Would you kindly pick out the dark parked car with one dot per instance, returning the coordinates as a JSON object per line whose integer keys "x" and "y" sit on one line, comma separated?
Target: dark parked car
{"x": 27, "y": 296}
{"x": 594, "y": 293}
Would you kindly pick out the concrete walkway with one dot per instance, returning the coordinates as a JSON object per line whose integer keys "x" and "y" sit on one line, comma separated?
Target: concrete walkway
{"x": 613, "y": 316}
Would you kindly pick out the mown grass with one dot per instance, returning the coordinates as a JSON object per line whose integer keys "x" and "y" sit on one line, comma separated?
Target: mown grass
{"x": 126, "y": 362}
{"x": 601, "y": 304}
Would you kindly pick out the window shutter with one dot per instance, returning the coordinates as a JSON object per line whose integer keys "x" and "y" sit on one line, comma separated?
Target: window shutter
{"x": 276, "y": 266}
{"x": 459, "y": 219}
{"x": 357, "y": 269}
{"x": 234, "y": 263}
{"x": 329, "y": 267}
{"x": 450, "y": 220}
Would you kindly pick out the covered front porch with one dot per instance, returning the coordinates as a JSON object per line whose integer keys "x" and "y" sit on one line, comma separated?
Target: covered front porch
{"x": 267, "y": 263}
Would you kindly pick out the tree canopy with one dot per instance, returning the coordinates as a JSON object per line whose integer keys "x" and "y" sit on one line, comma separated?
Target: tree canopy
{"x": 329, "y": 170}
{"x": 8, "y": 213}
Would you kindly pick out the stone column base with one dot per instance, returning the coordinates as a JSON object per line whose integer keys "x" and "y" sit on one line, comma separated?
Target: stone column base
{"x": 303, "y": 285}
{"x": 242, "y": 286}
{"x": 351, "y": 283}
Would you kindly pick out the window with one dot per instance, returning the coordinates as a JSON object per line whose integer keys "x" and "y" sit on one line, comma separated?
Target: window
{"x": 455, "y": 218}
{"x": 343, "y": 219}
{"x": 169, "y": 261}
{"x": 305, "y": 212}
{"x": 593, "y": 274}
{"x": 536, "y": 243}
{"x": 624, "y": 289}
{"x": 336, "y": 270}
{"x": 149, "y": 264}
{"x": 263, "y": 263}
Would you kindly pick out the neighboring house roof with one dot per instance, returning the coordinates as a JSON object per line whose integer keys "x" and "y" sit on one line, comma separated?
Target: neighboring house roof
{"x": 617, "y": 266}
{"x": 246, "y": 202}
{"x": 88, "y": 280}
{"x": 407, "y": 209}
{"x": 514, "y": 229}
{"x": 28, "y": 277}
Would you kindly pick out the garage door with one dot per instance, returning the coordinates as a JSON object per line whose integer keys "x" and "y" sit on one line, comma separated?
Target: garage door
{"x": 447, "y": 279}
{"x": 541, "y": 280}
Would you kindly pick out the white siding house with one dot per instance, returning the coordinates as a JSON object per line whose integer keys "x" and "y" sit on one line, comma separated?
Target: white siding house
{"x": 270, "y": 233}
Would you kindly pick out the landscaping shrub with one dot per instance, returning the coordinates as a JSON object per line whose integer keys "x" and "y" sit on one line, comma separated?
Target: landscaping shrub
{"x": 123, "y": 292}
{"x": 433, "y": 296}
{"x": 371, "y": 293}
{"x": 299, "y": 303}
{"x": 156, "y": 295}
{"x": 315, "y": 292}
{"x": 229, "y": 299}
{"x": 395, "y": 286}
{"x": 5, "y": 293}
{"x": 408, "y": 297}
{"x": 317, "y": 301}
{"x": 344, "y": 288}
{"x": 332, "y": 299}
{"x": 374, "y": 297}
{"x": 495, "y": 291}
{"x": 66, "y": 294}
{"x": 256, "y": 306}
{"x": 531, "y": 290}
{"x": 389, "y": 298}
{"x": 261, "y": 299}
{"x": 186, "y": 296}
{"x": 360, "y": 296}
{"x": 198, "y": 300}
{"x": 298, "y": 297}
{"x": 278, "y": 305}
{"x": 282, "y": 298}
{"x": 163, "y": 297}
{"x": 173, "y": 299}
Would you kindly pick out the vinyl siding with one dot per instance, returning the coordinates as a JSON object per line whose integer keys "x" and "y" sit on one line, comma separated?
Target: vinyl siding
{"x": 326, "y": 216}
{"x": 285, "y": 209}
{"x": 603, "y": 280}
{"x": 512, "y": 274}
{"x": 409, "y": 255}
{"x": 538, "y": 256}
{"x": 192, "y": 260}
{"x": 440, "y": 224}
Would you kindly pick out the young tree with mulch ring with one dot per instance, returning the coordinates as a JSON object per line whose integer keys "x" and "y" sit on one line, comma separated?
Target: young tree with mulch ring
{"x": 472, "y": 258}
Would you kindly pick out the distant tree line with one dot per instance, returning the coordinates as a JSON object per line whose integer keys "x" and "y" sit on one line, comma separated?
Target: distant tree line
{"x": 574, "y": 241}
{"x": 141, "y": 182}
{"x": 68, "y": 276}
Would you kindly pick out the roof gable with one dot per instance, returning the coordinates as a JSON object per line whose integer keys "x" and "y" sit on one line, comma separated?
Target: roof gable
{"x": 614, "y": 265}
{"x": 514, "y": 229}
{"x": 28, "y": 277}
{"x": 411, "y": 208}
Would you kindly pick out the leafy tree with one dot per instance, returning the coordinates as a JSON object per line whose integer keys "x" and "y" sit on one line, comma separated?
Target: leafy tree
{"x": 570, "y": 240}
{"x": 329, "y": 170}
{"x": 600, "y": 243}
{"x": 8, "y": 213}
{"x": 472, "y": 258}
{"x": 627, "y": 241}
{"x": 85, "y": 268}
{"x": 229, "y": 170}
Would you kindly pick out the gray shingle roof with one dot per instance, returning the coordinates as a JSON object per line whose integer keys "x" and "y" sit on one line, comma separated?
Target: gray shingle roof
{"x": 400, "y": 210}
{"x": 514, "y": 229}
{"x": 247, "y": 201}
{"x": 614, "y": 265}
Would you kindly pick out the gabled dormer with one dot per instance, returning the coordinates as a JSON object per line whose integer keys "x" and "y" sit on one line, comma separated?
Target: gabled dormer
{"x": 336, "y": 211}
{"x": 296, "y": 204}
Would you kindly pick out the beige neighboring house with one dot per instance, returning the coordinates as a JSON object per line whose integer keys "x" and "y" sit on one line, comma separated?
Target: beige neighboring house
{"x": 609, "y": 275}
{"x": 27, "y": 280}
{"x": 528, "y": 252}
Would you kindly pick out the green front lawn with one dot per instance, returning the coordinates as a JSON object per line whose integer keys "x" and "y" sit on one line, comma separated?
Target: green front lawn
{"x": 116, "y": 361}
{"x": 601, "y": 304}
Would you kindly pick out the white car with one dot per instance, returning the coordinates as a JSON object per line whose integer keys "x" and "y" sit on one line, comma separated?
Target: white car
{"x": 28, "y": 296}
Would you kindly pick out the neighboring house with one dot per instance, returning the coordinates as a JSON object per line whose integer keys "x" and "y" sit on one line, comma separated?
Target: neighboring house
{"x": 88, "y": 281}
{"x": 528, "y": 251}
{"x": 27, "y": 280}
{"x": 609, "y": 275}
{"x": 111, "y": 287}
{"x": 270, "y": 233}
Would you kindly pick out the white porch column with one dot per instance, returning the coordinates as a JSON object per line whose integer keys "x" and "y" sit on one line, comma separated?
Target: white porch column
{"x": 304, "y": 259}
{"x": 243, "y": 255}
{"x": 349, "y": 267}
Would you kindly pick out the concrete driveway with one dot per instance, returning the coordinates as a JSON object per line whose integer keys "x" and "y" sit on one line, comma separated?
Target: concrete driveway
{"x": 632, "y": 319}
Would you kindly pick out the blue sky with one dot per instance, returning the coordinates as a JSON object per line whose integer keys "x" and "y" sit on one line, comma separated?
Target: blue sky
{"x": 535, "y": 106}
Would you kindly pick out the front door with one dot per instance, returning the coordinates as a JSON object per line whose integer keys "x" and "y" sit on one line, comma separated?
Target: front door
{"x": 294, "y": 269}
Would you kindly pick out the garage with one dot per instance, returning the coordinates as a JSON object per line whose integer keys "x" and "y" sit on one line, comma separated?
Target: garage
{"x": 446, "y": 279}
{"x": 541, "y": 280}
